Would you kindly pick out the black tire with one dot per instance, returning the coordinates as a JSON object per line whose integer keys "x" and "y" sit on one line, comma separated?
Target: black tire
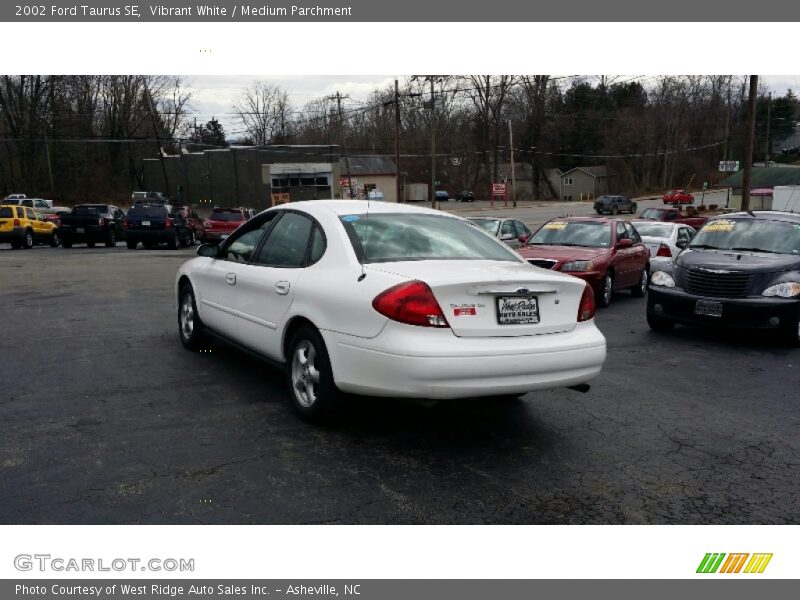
{"x": 66, "y": 243}
{"x": 131, "y": 244}
{"x": 27, "y": 240}
{"x": 111, "y": 239}
{"x": 606, "y": 293}
{"x": 633, "y": 208}
{"x": 147, "y": 245}
{"x": 314, "y": 397}
{"x": 599, "y": 212}
{"x": 660, "y": 324}
{"x": 55, "y": 241}
{"x": 172, "y": 242}
{"x": 640, "y": 289}
{"x": 90, "y": 244}
{"x": 192, "y": 239}
{"x": 614, "y": 210}
{"x": 190, "y": 328}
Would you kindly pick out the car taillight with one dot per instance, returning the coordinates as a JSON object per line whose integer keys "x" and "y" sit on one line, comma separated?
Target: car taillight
{"x": 16, "y": 222}
{"x": 100, "y": 222}
{"x": 169, "y": 223}
{"x": 412, "y": 303}
{"x": 587, "y": 306}
{"x": 663, "y": 250}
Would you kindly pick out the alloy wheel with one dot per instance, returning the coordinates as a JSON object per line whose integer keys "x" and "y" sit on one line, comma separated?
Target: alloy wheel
{"x": 305, "y": 375}
{"x": 187, "y": 317}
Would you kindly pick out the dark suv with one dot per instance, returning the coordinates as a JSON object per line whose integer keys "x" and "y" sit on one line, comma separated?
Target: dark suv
{"x": 740, "y": 270}
{"x": 154, "y": 224}
{"x": 614, "y": 205}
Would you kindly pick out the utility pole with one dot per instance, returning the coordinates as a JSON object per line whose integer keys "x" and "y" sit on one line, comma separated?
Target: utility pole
{"x": 513, "y": 178}
{"x": 766, "y": 147}
{"x": 343, "y": 149}
{"x": 748, "y": 144}
{"x": 398, "y": 188}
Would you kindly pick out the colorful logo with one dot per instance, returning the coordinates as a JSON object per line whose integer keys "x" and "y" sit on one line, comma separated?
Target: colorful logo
{"x": 734, "y": 563}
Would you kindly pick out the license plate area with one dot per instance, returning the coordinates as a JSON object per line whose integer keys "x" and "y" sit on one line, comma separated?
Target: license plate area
{"x": 517, "y": 310}
{"x": 145, "y": 223}
{"x": 708, "y": 308}
{"x": 79, "y": 230}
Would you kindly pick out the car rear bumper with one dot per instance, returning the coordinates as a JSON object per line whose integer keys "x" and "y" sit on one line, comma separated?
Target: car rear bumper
{"x": 748, "y": 313}
{"x": 150, "y": 236}
{"x": 89, "y": 233}
{"x": 416, "y": 362}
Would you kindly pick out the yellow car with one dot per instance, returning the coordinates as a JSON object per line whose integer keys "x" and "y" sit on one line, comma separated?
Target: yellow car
{"x": 21, "y": 227}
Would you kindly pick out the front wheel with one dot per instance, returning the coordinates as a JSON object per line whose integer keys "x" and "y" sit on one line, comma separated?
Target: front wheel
{"x": 54, "y": 240}
{"x": 309, "y": 375}
{"x": 606, "y": 291}
{"x": 27, "y": 240}
{"x": 660, "y": 324}
{"x": 90, "y": 244}
{"x": 190, "y": 327}
{"x": 640, "y": 289}
{"x": 66, "y": 243}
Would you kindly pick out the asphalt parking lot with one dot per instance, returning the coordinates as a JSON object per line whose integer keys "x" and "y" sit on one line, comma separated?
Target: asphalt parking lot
{"x": 105, "y": 418}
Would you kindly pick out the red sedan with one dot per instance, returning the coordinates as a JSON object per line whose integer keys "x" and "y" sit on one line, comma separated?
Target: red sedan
{"x": 222, "y": 222}
{"x": 607, "y": 253}
{"x": 678, "y": 197}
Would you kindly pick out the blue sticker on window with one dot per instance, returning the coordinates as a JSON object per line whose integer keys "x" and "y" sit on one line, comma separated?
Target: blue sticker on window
{"x": 350, "y": 218}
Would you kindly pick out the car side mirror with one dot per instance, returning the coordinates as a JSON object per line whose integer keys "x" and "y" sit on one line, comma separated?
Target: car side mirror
{"x": 682, "y": 244}
{"x": 523, "y": 239}
{"x": 506, "y": 236}
{"x": 624, "y": 243}
{"x": 208, "y": 250}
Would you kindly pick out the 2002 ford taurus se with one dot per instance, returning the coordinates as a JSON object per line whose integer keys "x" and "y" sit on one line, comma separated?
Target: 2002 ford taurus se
{"x": 388, "y": 300}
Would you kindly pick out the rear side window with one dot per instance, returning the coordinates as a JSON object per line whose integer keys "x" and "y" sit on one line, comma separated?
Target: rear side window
{"x": 154, "y": 211}
{"x": 317, "y": 245}
{"x": 29, "y": 214}
{"x": 6, "y": 212}
{"x": 287, "y": 243}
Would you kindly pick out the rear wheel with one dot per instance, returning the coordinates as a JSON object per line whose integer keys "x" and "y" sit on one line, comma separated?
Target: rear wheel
{"x": 309, "y": 375}
{"x": 111, "y": 240}
{"x": 27, "y": 240}
{"x": 606, "y": 291}
{"x": 190, "y": 327}
{"x": 640, "y": 289}
{"x": 614, "y": 210}
{"x": 131, "y": 244}
{"x": 54, "y": 239}
{"x": 659, "y": 324}
{"x": 633, "y": 208}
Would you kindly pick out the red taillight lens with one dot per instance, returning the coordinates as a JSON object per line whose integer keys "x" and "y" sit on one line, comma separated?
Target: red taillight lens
{"x": 412, "y": 303}
{"x": 169, "y": 223}
{"x": 587, "y": 307}
{"x": 663, "y": 250}
{"x": 100, "y": 222}
{"x": 16, "y": 222}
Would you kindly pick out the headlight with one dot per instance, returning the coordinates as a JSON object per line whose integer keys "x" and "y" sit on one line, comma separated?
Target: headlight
{"x": 663, "y": 279}
{"x": 577, "y": 265}
{"x": 787, "y": 289}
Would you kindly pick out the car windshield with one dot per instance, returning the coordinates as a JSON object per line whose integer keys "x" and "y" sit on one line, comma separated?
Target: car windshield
{"x": 652, "y": 213}
{"x": 226, "y": 215}
{"x": 490, "y": 225}
{"x": 654, "y": 229}
{"x": 754, "y": 235}
{"x": 148, "y": 210}
{"x": 389, "y": 237}
{"x": 592, "y": 234}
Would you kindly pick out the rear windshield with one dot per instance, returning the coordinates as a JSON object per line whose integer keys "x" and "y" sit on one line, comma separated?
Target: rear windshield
{"x": 403, "y": 237}
{"x": 592, "y": 234}
{"x": 147, "y": 210}
{"x": 6, "y": 212}
{"x": 654, "y": 229}
{"x": 222, "y": 214}
{"x": 89, "y": 210}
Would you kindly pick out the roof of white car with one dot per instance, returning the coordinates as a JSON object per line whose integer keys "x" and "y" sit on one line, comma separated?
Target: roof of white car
{"x": 360, "y": 207}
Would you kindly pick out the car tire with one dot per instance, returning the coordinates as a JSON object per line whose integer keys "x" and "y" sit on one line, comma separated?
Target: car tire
{"x": 111, "y": 240}
{"x": 606, "y": 291}
{"x": 192, "y": 239}
{"x": 660, "y": 324}
{"x": 54, "y": 240}
{"x": 27, "y": 240}
{"x": 66, "y": 243}
{"x": 640, "y": 289}
{"x": 309, "y": 376}
{"x": 599, "y": 212}
{"x": 190, "y": 328}
{"x": 147, "y": 245}
{"x": 172, "y": 242}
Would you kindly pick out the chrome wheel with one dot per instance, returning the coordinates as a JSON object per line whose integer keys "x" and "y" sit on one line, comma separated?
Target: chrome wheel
{"x": 28, "y": 239}
{"x": 643, "y": 283}
{"x": 305, "y": 375}
{"x": 187, "y": 317}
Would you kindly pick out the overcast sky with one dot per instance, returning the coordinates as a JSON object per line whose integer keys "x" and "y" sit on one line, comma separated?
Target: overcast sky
{"x": 214, "y": 96}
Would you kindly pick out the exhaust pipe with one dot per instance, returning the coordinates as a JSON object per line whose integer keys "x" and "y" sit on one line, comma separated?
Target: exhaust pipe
{"x": 581, "y": 387}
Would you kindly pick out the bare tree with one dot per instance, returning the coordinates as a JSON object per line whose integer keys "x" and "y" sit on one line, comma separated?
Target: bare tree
{"x": 264, "y": 111}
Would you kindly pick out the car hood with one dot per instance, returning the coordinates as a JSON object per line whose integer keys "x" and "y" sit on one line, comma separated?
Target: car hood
{"x": 561, "y": 253}
{"x": 726, "y": 260}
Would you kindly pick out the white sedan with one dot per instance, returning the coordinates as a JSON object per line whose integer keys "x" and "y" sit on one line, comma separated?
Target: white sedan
{"x": 388, "y": 300}
{"x": 664, "y": 240}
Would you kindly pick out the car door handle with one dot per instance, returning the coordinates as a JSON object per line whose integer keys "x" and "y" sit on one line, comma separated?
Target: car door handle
{"x": 230, "y": 278}
{"x": 282, "y": 287}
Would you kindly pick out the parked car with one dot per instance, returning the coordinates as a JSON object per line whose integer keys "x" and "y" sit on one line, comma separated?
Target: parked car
{"x": 678, "y": 197}
{"x": 21, "y": 227}
{"x": 664, "y": 240}
{"x": 741, "y": 270}
{"x": 221, "y": 222}
{"x": 39, "y": 205}
{"x": 672, "y": 215}
{"x": 92, "y": 224}
{"x": 467, "y": 196}
{"x": 194, "y": 222}
{"x": 511, "y": 231}
{"x": 402, "y": 301}
{"x": 607, "y": 253}
{"x": 442, "y": 195}
{"x": 154, "y": 224}
{"x": 614, "y": 205}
